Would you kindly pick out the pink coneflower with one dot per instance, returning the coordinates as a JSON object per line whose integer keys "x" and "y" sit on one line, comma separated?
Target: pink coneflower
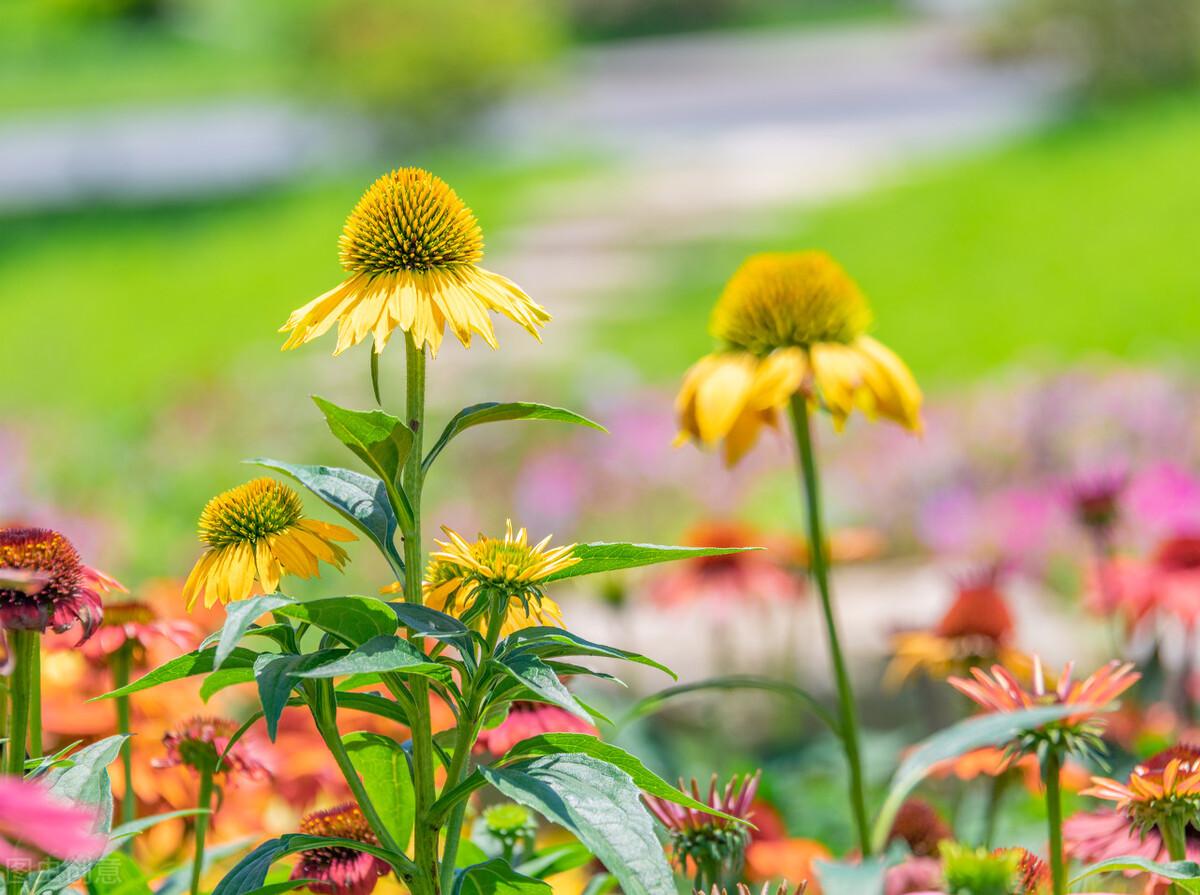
{"x": 1164, "y": 788}
{"x": 1095, "y": 836}
{"x": 339, "y": 869}
{"x": 68, "y": 591}
{"x": 919, "y": 826}
{"x": 713, "y": 844}
{"x": 199, "y": 742}
{"x": 530, "y": 719}
{"x": 138, "y": 623}
{"x": 33, "y": 823}
{"x": 915, "y": 875}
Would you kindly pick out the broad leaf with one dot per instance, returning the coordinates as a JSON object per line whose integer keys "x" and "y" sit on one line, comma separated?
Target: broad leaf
{"x": 601, "y": 557}
{"x": 551, "y": 643}
{"x": 386, "y": 653}
{"x": 354, "y": 619}
{"x": 602, "y": 806}
{"x": 973, "y": 733}
{"x": 188, "y": 665}
{"x": 540, "y": 679}
{"x": 277, "y": 677}
{"x": 362, "y": 500}
{"x": 217, "y": 681}
{"x": 379, "y": 439}
{"x": 496, "y": 878}
{"x": 492, "y": 412}
{"x": 426, "y": 622}
{"x": 373, "y": 704}
{"x": 383, "y": 766}
{"x": 239, "y": 616}
{"x": 117, "y": 874}
{"x": 583, "y": 744}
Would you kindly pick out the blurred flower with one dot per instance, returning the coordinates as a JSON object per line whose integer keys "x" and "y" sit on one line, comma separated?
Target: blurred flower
{"x": 713, "y": 843}
{"x": 339, "y": 869}
{"x": 783, "y": 889}
{"x": 785, "y": 859}
{"x": 1033, "y": 874}
{"x": 912, "y": 876}
{"x": 1097, "y": 836}
{"x": 919, "y": 826}
{"x": 258, "y": 531}
{"x": 34, "y": 822}
{"x": 412, "y": 249}
{"x": 463, "y": 577}
{"x": 199, "y": 743}
{"x": 978, "y": 871}
{"x": 791, "y": 322}
{"x": 976, "y": 628}
{"x": 1096, "y": 501}
{"x": 991, "y": 761}
{"x": 1169, "y": 583}
{"x": 530, "y": 719}
{"x": 1163, "y": 789}
{"x": 510, "y": 825}
{"x": 66, "y": 590}
{"x": 1078, "y": 732}
{"x": 727, "y": 582}
{"x": 138, "y": 623}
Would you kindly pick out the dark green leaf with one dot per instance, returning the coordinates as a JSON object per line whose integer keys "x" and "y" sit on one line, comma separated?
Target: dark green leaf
{"x": 595, "y": 558}
{"x": 601, "y": 805}
{"x": 656, "y": 701}
{"x": 250, "y": 873}
{"x": 583, "y": 744}
{"x": 239, "y": 616}
{"x": 382, "y": 654}
{"x": 540, "y": 679}
{"x": 496, "y": 878}
{"x": 187, "y": 665}
{"x": 217, "y": 681}
{"x": 551, "y": 643}
{"x": 362, "y": 500}
{"x": 277, "y": 677}
{"x": 379, "y": 439}
{"x": 373, "y": 704}
{"x": 383, "y": 766}
{"x": 492, "y": 412}
{"x": 354, "y": 619}
{"x": 426, "y": 622}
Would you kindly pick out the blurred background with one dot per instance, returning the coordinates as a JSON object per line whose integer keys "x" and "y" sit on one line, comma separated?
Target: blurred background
{"x": 1013, "y": 182}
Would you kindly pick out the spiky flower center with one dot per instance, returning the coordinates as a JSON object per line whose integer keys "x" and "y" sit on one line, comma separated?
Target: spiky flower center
{"x": 45, "y": 551}
{"x": 340, "y": 822}
{"x": 249, "y": 512}
{"x": 787, "y": 299}
{"x": 410, "y": 220}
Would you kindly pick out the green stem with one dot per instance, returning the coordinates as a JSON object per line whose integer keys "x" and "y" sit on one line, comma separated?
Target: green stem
{"x": 122, "y": 664}
{"x": 24, "y": 647}
{"x": 35, "y": 695}
{"x": 204, "y": 802}
{"x": 818, "y": 561}
{"x": 1051, "y": 774}
{"x": 1175, "y": 838}
{"x": 425, "y": 834}
{"x": 996, "y": 792}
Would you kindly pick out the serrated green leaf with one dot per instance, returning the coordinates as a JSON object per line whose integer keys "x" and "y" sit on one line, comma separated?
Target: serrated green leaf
{"x": 386, "y": 653}
{"x": 604, "y": 557}
{"x": 495, "y": 877}
{"x": 361, "y": 500}
{"x": 601, "y": 805}
{"x": 492, "y": 412}
{"x": 584, "y": 744}
{"x": 354, "y": 619}
{"x": 379, "y": 439}
{"x": 187, "y": 665}
{"x": 383, "y": 766}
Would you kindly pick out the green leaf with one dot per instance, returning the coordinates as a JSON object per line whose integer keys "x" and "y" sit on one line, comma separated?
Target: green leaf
{"x": 354, "y": 619}
{"x": 426, "y": 622}
{"x": 250, "y": 873}
{"x": 862, "y": 878}
{"x": 239, "y": 616}
{"x": 973, "y": 733}
{"x": 1184, "y": 873}
{"x": 217, "y": 681}
{"x": 386, "y": 653}
{"x": 601, "y": 884}
{"x": 552, "y": 643}
{"x": 362, "y": 500}
{"x": 188, "y": 665}
{"x": 583, "y": 744}
{"x": 379, "y": 439}
{"x": 601, "y": 557}
{"x": 493, "y": 412}
{"x": 277, "y": 676}
{"x": 657, "y": 701}
{"x": 496, "y": 878}
{"x": 117, "y": 874}
{"x": 553, "y": 859}
{"x": 383, "y": 766}
{"x": 373, "y": 704}
{"x": 540, "y": 679}
{"x": 133, "y": 827}
{"x": 601, "y": 805}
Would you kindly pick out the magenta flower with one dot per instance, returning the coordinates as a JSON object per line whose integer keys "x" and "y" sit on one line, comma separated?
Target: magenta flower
{"x": 530, "y": 719}
{"x": 339, "y": 869}
{"x": 34, "y": 823}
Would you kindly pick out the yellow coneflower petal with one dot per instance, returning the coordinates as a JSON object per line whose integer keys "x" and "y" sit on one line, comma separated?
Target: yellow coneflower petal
{"x": 903, "y": 404}
{"x": 721, "y": 397}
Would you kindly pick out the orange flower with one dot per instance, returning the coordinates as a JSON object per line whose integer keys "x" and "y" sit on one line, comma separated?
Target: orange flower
{"x": 1164, "y": 787}
{"x": 786, "y": 859}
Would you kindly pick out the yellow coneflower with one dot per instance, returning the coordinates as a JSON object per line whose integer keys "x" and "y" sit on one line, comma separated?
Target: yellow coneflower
{"x": 463, "y": 575}
{"x": 791, "y": 322}
{"x": 412, "y": 248}
{"x": 258, "y": 531}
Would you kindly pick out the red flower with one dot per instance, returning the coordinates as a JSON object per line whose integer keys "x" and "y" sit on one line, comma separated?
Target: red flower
{"x": 56, "y": 589}
{"x": 530, "y": 719}
{"x": 200, "y": 742}
{"x": 137, "y": 622}
{"x": 339, "y": 869}
{"x": 33, "y": 822}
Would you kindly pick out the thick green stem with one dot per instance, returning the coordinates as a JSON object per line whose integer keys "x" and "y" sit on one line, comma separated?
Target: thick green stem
{"x": 1174, "y": 834}
{"x": 999, "y": 784}
{"x": 121, "y": 663}
{"x": 35, "y": 696}
{"x": 425, "y": 835}
{"x": 818, "y": 563}
{"x": 21, "y": 695}
{"x": 204, "y": 803}
{"x": 1051, "y": 774}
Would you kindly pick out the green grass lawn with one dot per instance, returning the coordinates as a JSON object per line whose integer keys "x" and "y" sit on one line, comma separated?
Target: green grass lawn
{"x": 1082, "y": 241}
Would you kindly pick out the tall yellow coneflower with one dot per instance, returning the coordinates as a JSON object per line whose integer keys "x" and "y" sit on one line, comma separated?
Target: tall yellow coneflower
{"x": 412, "y": 248}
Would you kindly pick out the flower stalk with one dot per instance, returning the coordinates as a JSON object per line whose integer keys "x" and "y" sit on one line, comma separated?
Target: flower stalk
{"x": 1052, "y": 775}
{"x": 819, "y": 565}
{"x": 204, "y": 803}
{"x": 121, "y": 663}
{"x": 23, "y": 692}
